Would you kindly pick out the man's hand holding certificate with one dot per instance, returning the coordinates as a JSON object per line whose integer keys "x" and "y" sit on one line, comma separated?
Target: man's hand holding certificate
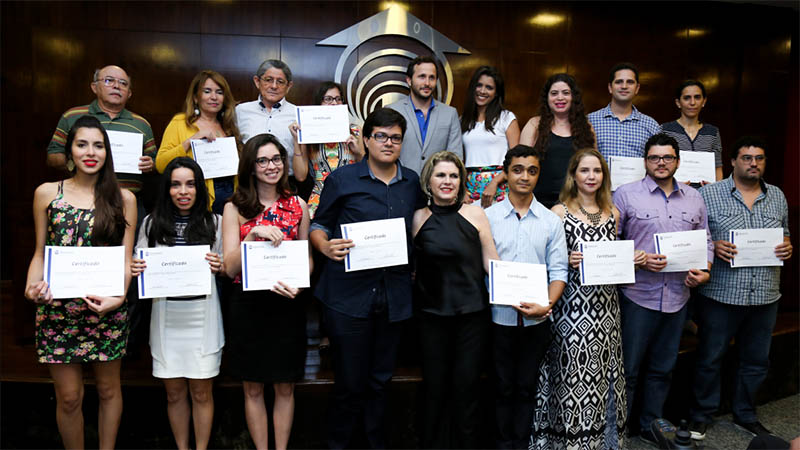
{"x": 696, "y": 167}
{"x": 376, "y": 243}
{"x": 219, "y": 158}
{"x": 755, "y": 247}
{"x": 323, "y": 123}
{"x": 264, "y": 265}
{"x": 82, "y": 271}
{"x": 625, "y": 170}
{"x": 511, "y": 283}
{"x": 607, "y": 262}
{"x": 685, "y": 250}
{"x": 126, "y": 149}
{"x": 174, "y": 271}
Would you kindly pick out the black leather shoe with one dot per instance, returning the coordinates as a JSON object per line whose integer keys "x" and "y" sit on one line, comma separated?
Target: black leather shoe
{"x": 698, "y": 430}
{"x": 754, "y": 428}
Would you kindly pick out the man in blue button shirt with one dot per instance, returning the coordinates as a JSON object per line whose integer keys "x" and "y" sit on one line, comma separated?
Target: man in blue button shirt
{"x": 523, "y": 231}
{"x": 363, "y": 309}
{"x": 433, "y": 127}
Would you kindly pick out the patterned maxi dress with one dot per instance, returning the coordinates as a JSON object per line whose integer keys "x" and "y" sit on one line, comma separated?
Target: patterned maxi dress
{"x": 67, "y": 331}
{"x": 581, "y": 398}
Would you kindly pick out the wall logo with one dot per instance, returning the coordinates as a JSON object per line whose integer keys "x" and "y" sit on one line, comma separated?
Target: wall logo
{"x": 372, "y": 69}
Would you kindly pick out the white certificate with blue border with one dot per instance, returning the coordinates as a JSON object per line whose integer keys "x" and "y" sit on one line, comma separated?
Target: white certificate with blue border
{"x": 624, "y": 170}
{"x": 684, "y": 250}
{"x": 176, "y": 271}
{"x": 513, "y": 282}
{"x": 607, "y": 262}
{"x": 756, "y": 247}
{"x": 80, "y": 271}
{"x": 263, "y": 265}
{"x": 219, "y": 158}
{"x": 377, "y": 243}
{"x": 320, "y": 124}
{"x": 696, "y": 167}
{"x": 126, "y": 148}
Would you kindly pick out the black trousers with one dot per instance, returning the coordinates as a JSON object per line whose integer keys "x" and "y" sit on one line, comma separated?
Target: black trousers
{"x": 518, "y": 351}
{"x": 363, "y": 351}
{"x": 453, "y": 349}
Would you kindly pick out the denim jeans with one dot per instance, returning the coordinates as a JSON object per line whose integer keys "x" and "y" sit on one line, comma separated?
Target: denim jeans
{"x": 650, "y": 342}
{"x": 718, "y": 323}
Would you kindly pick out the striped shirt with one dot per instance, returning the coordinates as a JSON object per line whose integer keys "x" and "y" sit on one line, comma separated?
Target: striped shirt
{"x": 125, "y": 121}
{"x": 622, "y": 137}
{"x": 536, "y": 238}
{"x": 707, "y": 139}
{"x": 746, "y": 286}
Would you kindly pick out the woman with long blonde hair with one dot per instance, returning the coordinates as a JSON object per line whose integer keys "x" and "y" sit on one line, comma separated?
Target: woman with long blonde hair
{"x": 582, "y": 372}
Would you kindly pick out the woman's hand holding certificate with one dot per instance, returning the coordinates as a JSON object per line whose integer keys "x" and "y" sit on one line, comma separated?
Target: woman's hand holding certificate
{"x": 85, "y": 271}
{"x": 173, "y": 271}
{"x": 281, "y": 268}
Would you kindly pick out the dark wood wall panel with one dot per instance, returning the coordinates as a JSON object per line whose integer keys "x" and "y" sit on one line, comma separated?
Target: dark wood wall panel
{"x": 746, "y": 52}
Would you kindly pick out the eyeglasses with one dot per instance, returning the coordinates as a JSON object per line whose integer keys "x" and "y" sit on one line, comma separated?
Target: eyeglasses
{"x": 654, "y": 159}
{"x": 279, "y": 81}
{"x": 109, "y": 81}
{"x": 329, "y": 99}
{"x": 749, "y": 158}
{"x": 264, "y": 162}
{"x": 383, "y": 137}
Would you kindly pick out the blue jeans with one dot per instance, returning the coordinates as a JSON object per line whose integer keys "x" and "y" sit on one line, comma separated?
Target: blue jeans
{"x": 718, "y": 323}
{"x": 650, "y": 341}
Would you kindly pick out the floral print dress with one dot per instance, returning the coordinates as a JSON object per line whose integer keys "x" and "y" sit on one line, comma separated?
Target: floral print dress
{"x": 67, "y": 331}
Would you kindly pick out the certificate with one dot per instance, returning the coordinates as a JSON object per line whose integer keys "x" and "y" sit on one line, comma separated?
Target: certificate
{"x": 378, "y": 243}
{"x": 624, "y": 170}
{"x": 175, "y": 271}
{"x": 684, "y": 250}
{"x": 79, "y": 271}
{"x": 322, "y": 124}
{"x": 513, "y": 282}
{"x": 607, "y": 262}
{"x": 263, "y": 265}
{"x": 696, "y": 167}
{"x": 126, "y": 149}
{"x": 756, "y": 247}
{"x": 217, "y": 159}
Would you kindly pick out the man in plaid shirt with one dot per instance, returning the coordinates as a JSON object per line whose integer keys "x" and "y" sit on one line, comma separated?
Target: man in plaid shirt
{"x": 738, "y": 302}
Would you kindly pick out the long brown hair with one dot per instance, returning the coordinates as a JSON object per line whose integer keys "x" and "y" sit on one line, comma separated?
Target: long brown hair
{"x": 246, "y": 196}
{"x": 582, "y": 136}
{"x": 569, "y": 192}
{"x": 109, "y": 214}
{"x": 226, "y": 116}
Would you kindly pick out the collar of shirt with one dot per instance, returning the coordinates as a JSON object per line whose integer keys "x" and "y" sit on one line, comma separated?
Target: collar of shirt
{"x": 734, "y": 189}
{"x": 509, "y": 209}
{"x": 365, "y": 171}
{"x": 277, "y": 104}
{"x": 417, "y": 110}
{"x": 651, "y": 185}
{"x": 635, "y": 114}
{"x": 95, "y": 110}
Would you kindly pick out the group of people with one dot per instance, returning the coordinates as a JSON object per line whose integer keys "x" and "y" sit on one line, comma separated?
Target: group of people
{"x": 469, "y": 189}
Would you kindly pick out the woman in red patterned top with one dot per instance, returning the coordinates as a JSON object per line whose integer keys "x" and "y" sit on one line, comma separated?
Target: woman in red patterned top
{"x": 267, "y": 338}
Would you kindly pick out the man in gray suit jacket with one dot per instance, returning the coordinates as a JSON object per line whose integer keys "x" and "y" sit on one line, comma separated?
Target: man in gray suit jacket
{"x": 432, "y": 127}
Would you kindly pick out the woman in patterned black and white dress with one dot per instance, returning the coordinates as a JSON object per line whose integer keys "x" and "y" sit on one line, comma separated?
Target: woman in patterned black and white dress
{"x": 581, "y": 398}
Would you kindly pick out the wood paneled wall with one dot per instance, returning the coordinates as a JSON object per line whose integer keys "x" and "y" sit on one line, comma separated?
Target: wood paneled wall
{"x": 746, "y": 54}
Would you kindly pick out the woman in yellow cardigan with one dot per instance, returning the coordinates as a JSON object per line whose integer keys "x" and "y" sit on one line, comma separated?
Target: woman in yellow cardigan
{"x": 208, "y": 113}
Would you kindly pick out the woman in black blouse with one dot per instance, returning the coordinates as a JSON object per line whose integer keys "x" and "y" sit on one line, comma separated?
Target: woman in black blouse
{"x": 453, "y": 244}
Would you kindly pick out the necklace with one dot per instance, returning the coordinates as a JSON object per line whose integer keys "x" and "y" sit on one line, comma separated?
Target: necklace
{"x": 593, "y": 217}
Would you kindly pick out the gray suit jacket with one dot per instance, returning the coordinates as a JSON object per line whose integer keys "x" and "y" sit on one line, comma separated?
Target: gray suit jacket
{"x": 444, "y": 133}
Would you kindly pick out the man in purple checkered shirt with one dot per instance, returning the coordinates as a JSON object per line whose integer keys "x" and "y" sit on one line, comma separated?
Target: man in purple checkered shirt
{"x": 620, "y": 128}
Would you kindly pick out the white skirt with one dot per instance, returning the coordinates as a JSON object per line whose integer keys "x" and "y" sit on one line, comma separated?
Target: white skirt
{"x": 183, "y": 338}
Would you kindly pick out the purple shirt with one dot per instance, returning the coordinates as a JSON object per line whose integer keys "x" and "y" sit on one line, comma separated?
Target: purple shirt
{"x": 644, "y": 209}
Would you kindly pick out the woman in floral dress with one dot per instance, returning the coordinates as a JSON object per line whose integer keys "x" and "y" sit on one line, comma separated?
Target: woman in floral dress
{"x": 88, "y": 209}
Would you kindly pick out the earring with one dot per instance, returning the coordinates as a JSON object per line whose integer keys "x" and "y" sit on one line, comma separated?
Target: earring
{"x": 70, "y": 165}
{"x": 196, "y": 111}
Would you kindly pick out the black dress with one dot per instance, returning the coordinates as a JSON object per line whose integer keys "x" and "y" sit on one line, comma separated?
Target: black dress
{"x": 451, "y": 296}
{"x": 553, "y": 169}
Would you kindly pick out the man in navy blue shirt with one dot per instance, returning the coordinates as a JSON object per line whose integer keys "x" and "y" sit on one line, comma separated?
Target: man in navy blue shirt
{"x": 363, "y": 309}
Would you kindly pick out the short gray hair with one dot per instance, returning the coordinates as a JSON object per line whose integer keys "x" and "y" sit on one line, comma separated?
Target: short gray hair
{"x": 275, "y": 64}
